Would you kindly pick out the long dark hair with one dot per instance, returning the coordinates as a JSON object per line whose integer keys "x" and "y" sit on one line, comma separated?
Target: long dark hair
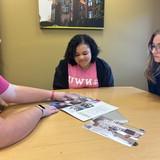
{"x": 80, "y": 39}
{"x": 153, "y": 68}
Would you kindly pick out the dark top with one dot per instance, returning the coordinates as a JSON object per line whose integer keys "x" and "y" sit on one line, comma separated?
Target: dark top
{"x": 154, "y": 87}
{"x": 104, "y": 75}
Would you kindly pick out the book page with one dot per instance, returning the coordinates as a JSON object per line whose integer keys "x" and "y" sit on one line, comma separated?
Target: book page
{"x": 116, "y": 116}
{"x": 121, "y": 133}
{"x": 84, "y": 108}
{"x": 89, "y": 110}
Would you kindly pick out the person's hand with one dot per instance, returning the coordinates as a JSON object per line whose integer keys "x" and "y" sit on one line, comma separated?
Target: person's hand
{"x": 49, "y": 110}
{"x": 46, "y": 109}
{"x": 2, "y": 104}
{"x": 62, "y": 96}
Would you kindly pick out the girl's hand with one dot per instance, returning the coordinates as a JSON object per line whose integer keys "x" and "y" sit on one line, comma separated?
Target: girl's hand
{"x": 62, "y": 96}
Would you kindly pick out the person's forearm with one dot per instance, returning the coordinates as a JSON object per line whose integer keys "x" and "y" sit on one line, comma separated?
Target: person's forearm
{"x": 22, "y": 94}
{"x": 17, "y": 126}
{"x": 25, "y": 95}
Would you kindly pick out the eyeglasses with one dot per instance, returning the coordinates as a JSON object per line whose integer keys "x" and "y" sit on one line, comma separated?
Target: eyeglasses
{"x": 154, "y": 47}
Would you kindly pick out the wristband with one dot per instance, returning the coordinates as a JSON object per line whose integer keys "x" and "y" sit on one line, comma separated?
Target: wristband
{"x": 41, "y": 108}
{"x": 52, "y": 95}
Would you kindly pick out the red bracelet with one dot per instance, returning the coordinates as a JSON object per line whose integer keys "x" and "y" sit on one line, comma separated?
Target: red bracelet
{"x": 52, "y": 95}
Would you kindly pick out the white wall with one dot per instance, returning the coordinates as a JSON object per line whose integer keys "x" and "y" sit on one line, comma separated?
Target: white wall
{"x": 129, "y": 25}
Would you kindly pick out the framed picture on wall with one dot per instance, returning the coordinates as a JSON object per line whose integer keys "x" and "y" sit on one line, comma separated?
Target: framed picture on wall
{"x": 71, "y": 14}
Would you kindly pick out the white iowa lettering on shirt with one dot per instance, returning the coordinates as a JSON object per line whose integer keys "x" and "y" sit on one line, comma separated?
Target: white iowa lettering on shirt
{"x": 82, "y": 81}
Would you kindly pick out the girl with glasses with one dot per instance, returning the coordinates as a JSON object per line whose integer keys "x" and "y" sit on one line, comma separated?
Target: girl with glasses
{"x": 153, "y": 68}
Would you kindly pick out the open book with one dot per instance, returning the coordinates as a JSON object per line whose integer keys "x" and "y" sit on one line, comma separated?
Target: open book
{"x": 121, "y": 133}
{"x": 84, "y": 108}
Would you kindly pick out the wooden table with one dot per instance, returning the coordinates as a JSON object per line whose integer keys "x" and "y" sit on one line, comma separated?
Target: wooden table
{"x": 61, "y": 137}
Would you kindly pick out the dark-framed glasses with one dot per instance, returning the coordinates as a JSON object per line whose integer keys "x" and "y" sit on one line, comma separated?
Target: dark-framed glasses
{"x": 154, "y": 47}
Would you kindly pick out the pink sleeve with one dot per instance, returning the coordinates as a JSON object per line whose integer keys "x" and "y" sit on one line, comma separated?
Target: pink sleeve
{"x": 3, "y": 84}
